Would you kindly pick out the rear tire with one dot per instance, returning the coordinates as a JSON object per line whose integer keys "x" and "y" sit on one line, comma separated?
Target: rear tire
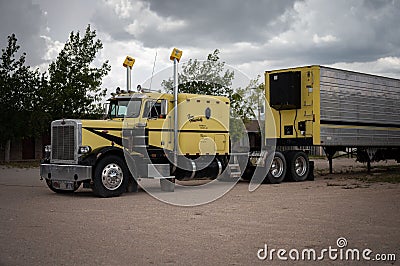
{"x": 298, "y": 165}
{"x": 277, "y": 170}
{"x": 111, "y": 177}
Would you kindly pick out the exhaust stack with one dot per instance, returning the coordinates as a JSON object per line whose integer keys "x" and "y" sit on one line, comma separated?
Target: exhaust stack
{"x": 176, "y": 56}
{"x": 128, "y": 63}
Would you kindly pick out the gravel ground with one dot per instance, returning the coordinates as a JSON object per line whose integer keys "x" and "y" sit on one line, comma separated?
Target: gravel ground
{"x": 39, "y": 227}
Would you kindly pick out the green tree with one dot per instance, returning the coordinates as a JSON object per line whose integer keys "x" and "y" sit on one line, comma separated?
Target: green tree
{"x": 74, "y": 84}
{"x": 255, "y": 96}
{"x": 19, "y": 86}
{"x": 204, "y": 77}
{"x": 247, "y": 107}
{"x": 30, "y": 100}
{"x": 212, "y": 78}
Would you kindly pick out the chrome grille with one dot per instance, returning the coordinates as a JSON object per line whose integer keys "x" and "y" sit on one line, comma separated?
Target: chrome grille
{"x": 63, "y": 142}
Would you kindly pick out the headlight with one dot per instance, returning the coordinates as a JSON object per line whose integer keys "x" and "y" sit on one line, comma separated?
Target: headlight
{"x": 47, "y": 148}
{"x": 84, "y": 149}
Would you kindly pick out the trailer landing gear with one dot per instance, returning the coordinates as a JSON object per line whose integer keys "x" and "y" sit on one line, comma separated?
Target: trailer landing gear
{"x": 330, "y": 152}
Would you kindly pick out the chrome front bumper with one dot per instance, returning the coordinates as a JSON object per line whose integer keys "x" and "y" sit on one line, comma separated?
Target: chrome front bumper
{"x": 65, "y": 172}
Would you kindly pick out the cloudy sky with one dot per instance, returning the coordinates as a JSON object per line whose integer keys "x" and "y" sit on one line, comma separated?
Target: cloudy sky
{"x": 253, "y": 36}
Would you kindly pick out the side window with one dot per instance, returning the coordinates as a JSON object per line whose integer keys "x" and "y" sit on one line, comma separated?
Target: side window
{"x": 146, "y": 111}
{"x": 112, "y": 110}
{"x": 121, "y": 110}
{"x": 156, "y": 110}
{"x": 152, "y": 109}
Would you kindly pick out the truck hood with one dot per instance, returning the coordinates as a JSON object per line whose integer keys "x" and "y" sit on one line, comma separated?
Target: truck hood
{"x": 102, "y": 124}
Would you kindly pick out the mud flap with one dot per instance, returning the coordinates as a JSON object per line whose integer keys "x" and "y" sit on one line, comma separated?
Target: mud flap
{"x": 310, "y": 176}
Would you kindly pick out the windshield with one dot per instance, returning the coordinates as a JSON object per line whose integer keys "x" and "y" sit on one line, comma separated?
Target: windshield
{"x": 122, "y": 108}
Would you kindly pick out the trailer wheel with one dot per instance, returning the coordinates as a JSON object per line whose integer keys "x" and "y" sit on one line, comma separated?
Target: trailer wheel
{"x": 298, "y": 165}
{"x": 61, "y": 191}
{"x": 111, "y": 177}
{"x": 277, "y": 171}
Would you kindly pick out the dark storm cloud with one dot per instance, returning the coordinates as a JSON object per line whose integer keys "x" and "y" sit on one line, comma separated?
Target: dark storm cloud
{"x": 287, "y": 32}
{"x": 312, "y": 31}
{"x": 109, "y": 22}
{"x": 227, "y": 20}
{"x": 337, "y": 31}
{"x": 365, "y": 32}
{"x": 64, "y": 16}
{"x": 198, "y": 23}
{"x": 27, "y": 21}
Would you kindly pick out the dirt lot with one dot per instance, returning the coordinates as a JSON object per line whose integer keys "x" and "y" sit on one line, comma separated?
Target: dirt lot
{"x": 38, "y": 226}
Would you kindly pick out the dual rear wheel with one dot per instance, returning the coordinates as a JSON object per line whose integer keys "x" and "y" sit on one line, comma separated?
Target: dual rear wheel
{"x": 293, "y": 165}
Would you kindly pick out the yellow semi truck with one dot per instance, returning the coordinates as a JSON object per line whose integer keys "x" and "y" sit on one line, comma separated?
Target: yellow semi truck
{"x": 92, "y": 151}
{"x": 145, "y": 135}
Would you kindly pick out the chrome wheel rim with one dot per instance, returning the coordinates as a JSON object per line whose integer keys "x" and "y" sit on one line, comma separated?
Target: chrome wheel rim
{"x": 112, "y": 176}
{"x": 276, "y": 169}
{"x": 300, "y": 166}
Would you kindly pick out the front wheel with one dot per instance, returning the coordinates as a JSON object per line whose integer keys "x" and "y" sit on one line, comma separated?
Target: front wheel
{"x": 111, "y": 177}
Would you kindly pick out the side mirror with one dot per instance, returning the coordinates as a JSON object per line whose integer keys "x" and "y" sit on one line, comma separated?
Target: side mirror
{"x": 105, "y": 110}
{"x": 164, "y": 108}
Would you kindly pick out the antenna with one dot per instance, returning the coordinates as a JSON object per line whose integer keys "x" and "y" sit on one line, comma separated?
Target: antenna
{"x": 152, "y": 73}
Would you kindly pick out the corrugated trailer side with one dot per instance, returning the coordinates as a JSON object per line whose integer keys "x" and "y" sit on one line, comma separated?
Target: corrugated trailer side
{"x": 358, "y": 109}
{"x": 335, "y": 109}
